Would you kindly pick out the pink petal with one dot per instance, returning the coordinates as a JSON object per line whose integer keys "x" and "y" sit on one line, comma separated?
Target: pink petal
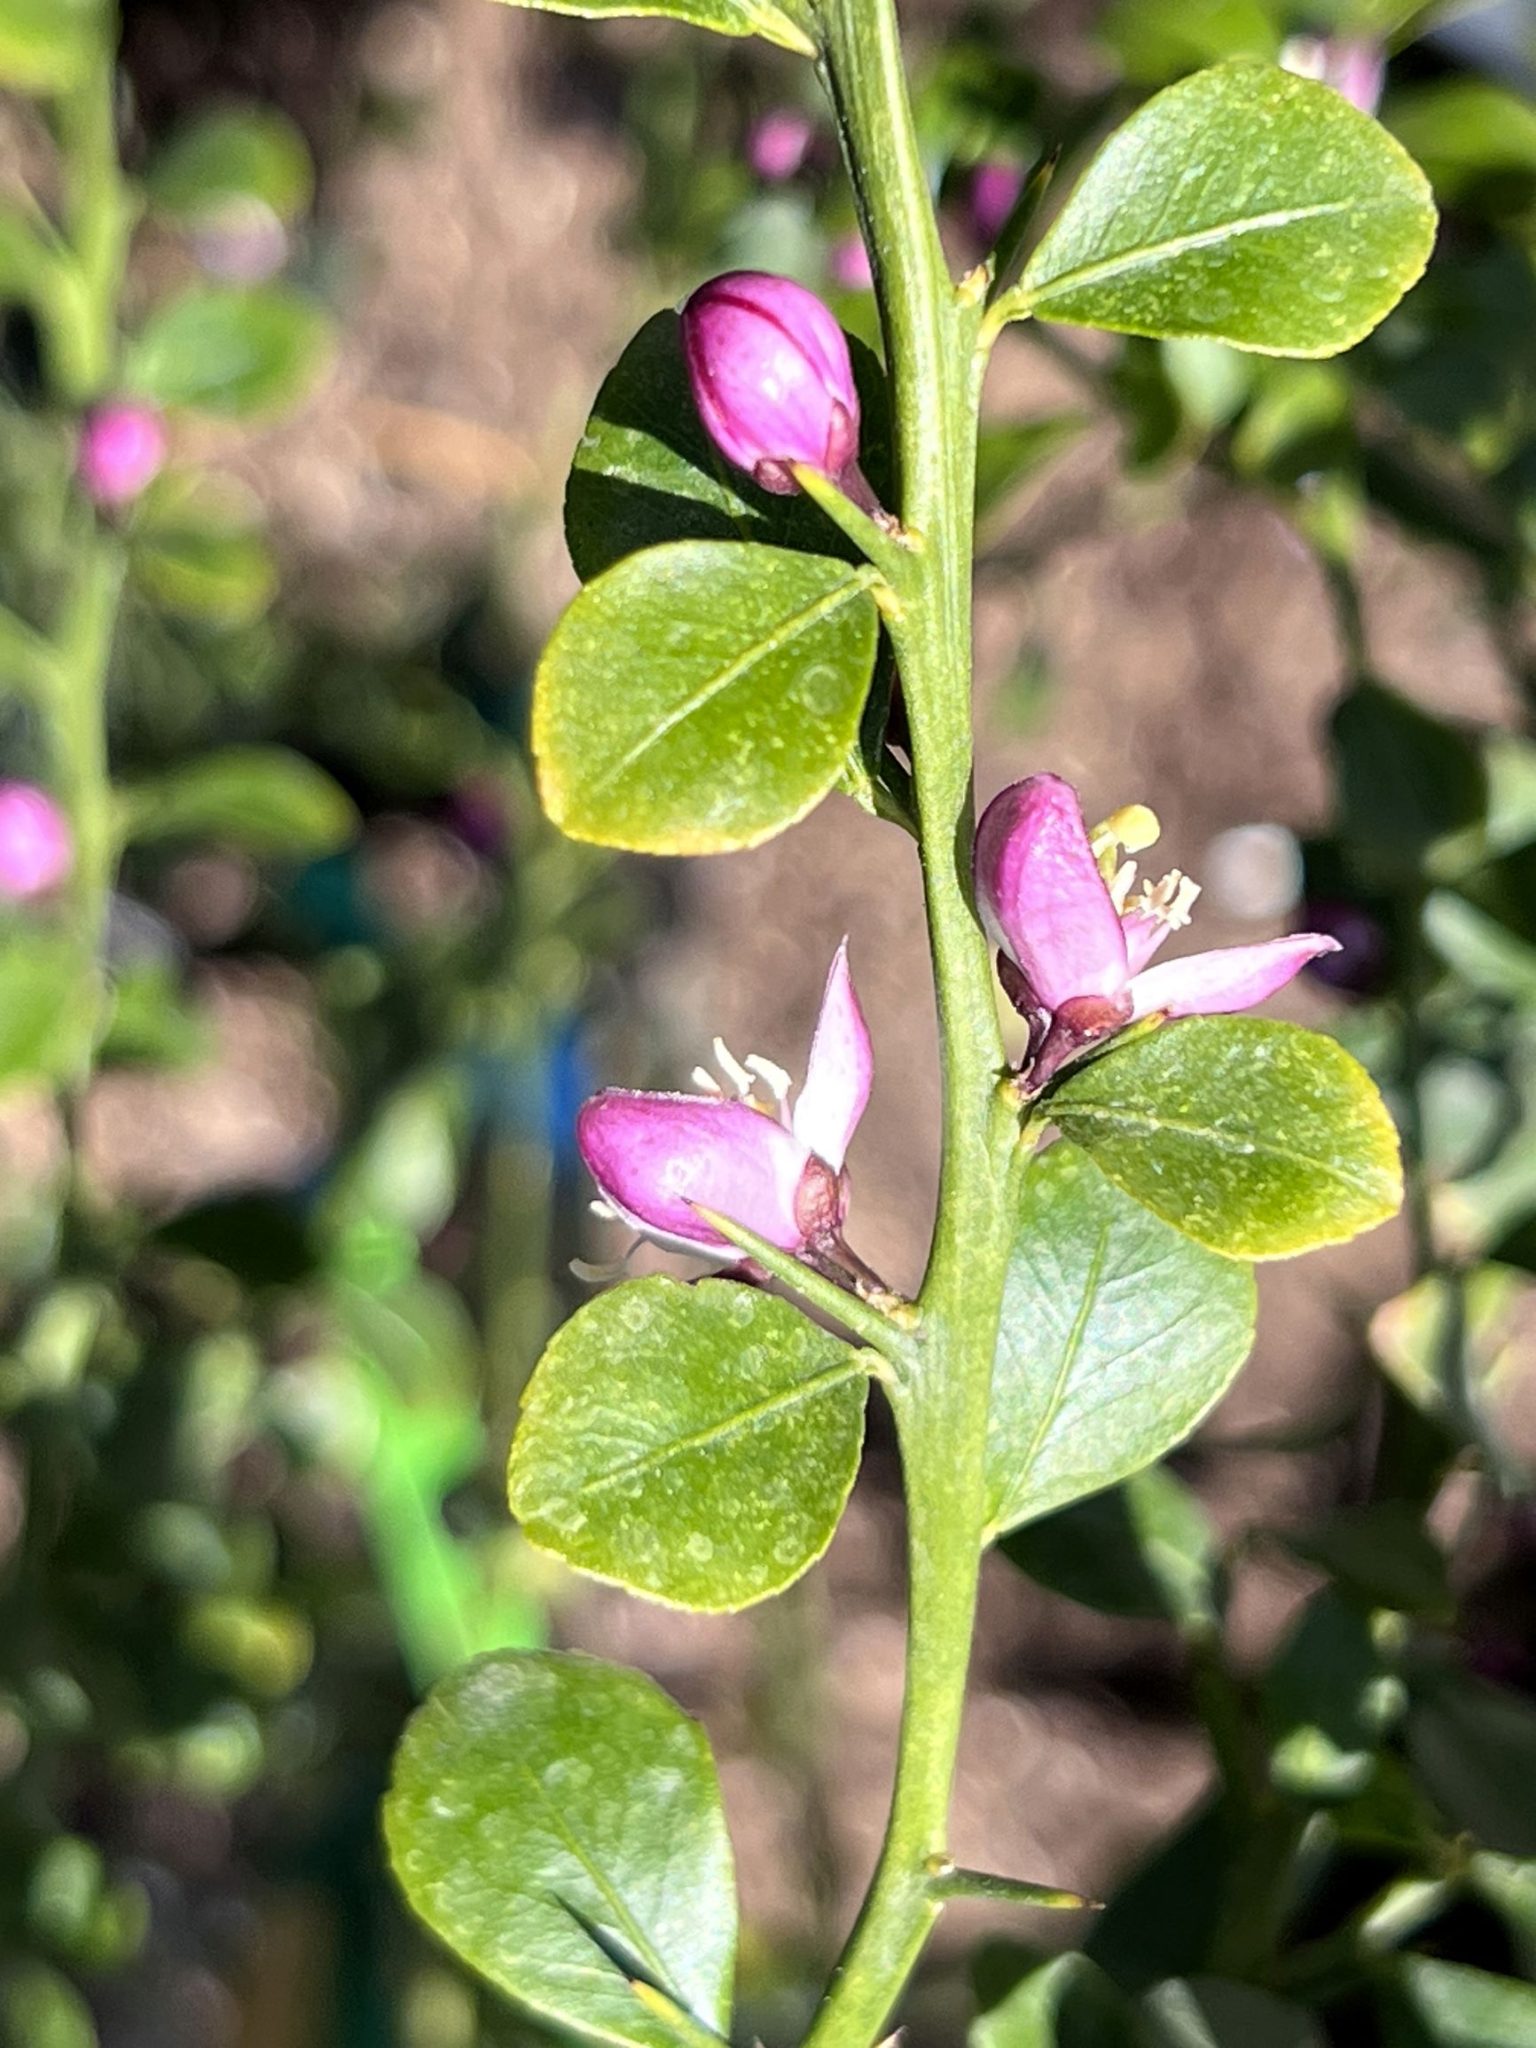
{"x": 839, "y": 1071}
{"x": 1143, "y": 936}
{"x": 1041, "y": 896}
{"x": 1232, "y": 978}
{"x": 654, "y": 1156}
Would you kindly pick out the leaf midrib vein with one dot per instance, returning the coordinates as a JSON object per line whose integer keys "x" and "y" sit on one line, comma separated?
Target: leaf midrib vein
{"x": 701, "y": 1439}
{"x": 1152, "y": 253}
{"x": 1238, "y": 1147}
{"x": 852, "y": 586}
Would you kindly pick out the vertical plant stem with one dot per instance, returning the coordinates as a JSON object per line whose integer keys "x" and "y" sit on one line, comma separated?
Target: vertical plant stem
{"x": 935, "y": 364}
{"x": 80, "y": 326}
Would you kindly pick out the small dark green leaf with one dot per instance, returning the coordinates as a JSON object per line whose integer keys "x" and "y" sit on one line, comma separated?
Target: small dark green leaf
{"x": 233, "y": 154}
{"x": 1329, "y": 1699}
{"x": 1068, "y": 2003}
{"x": 782, "y": 25}
{"x": 1155, "y": 39}
{"x": 1245, "y": 205}
{"x": 700, "y": 697}
{"x": 1465, "y": 131}
{"x": 1406, "y": 779}
{"x": 266, "y": 799}
{"x": 1473, "y": 1746}
{"x": 1013, "y": 454}
{"x": 645, "y": 471}
{"x": 1118, "y": 1334}
{"x": 1144, "y": 1549}
{"x": 233, "y": 350}
{"x": 1451, "y": 2006}
{"x": 1164, "y": 1919}
{"x": 697, "y": 1444}
{"x": 1381, "y": 1553}
{"x": 1256, "y": 1138}
{"x": 226, "y": 577}
{"x": 556, "y": 1821}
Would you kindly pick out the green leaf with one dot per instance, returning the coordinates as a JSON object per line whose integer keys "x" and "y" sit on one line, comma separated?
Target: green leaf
{"x": 44, "y": 1020}
{"x": 1068, "y": 2003}
{"x": 1329, "y": 1700}
{"x": 700, "y": 697}
{"x": 1452, "y": 2006}
{"x": 696, "y": 1444}
{"x": 1244, "y": 205}
{"x": 226, "y": 577}
{"x": 781, "y": 25}
{"x": 1014, "y": 453}
{"x": 1156, "y": 38}
{"x": 268, "y": 800}
{"x": 1405, "y": 779}
{"x": 1465, "y": 131}
{"x": 1256, "y": 1138}
{"x": 1212, "y": 2012}
{"x": 1144, "y": 1549}
{"x": 228, "y": 349}
{"x": 646, "y": 472}
{"x": 48, "y": 46}
{"x": 1118, "y": 1334}
{"x": 557, "y": 1822}
{"x": 236, "y": 153}
{"x": 1473, "y": 1746}
{"x": 1167, "y": 1915}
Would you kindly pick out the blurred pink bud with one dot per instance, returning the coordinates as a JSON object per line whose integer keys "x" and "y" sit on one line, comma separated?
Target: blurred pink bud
{"x": 1355, "y": 66}
{"x": 1076, "y": 931}
{"x": 35, "y": 849}
{"x": 772, "y": 378}
{"x": 994, "y": 193}
{"x": 848, "y": 264}
{"x": 659, "y": 1159}
{"x": 122, "y": 451}
{"x": 779, "y": 144}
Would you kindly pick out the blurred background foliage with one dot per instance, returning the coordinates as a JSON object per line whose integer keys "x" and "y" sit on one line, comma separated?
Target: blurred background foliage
{"x": 258, "y": 1367}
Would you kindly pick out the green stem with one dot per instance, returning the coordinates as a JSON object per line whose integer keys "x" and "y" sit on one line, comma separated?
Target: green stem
{"x": 935, "y": 360}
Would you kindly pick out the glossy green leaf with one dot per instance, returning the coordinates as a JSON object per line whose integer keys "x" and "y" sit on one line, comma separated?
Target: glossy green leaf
{"x": 228, "y": 349}
{"x": 696, "y": 1444}
{"x": 1067, "y": 2003}
{"x": 1406, "y": 779}
{"x": 782, "y": 25}
{"x": 266, "y": 799}
{"x": 1118, "y": 1334}
{"x": 44, "y": 1028}
{"x": 48, "y": 46}
{"x": 1154, "y": 39}
{"x": 645, "y": 471}
{"x": 1244, "y": 205}
{"x": 236, "y": 153}
{"x": 1451, "y": 2006}
{"x": 557, "y": 1822}
{"x": 1256, "y": 1138}
{"x": 702, "y": 696}
{"x": 1144, "y": 1549}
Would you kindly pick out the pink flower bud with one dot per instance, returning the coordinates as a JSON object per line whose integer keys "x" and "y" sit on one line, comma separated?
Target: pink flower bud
{"x": 35, "y": 850}
{"x": 772, "y": 378}
{"x": 122, "y": 451}
{"x": 779, "y": 144}
{"x": 1355, "y": 66}
{"x": 995, "y": 189}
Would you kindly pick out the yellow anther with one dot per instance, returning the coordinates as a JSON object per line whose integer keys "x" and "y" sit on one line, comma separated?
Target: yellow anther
{"x": 1133, "y": 826}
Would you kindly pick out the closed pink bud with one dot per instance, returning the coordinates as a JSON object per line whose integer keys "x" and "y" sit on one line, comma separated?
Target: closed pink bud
{"x": 848, "y": 264}
{"x": 35, "y": 850}
{"x": 779, "y": 144}
{"x": 772, "y": 378}
{"x": 995, "y": 190}
{"x": 1355, "y": 66}
{"x": 122, "y": 451}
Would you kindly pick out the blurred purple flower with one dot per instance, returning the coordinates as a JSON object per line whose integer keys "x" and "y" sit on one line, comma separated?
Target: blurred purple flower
{"x": 994, "y": 193}
{"x": 659, "y": 1159}
{"x": 122, "y": 450}
{"x": 772, "y": 379}
{"x": 1355, "y": 66}
{"x": 779, "y": 143}
{"x": 36, "y": 852}
{"x": 1075, "y": 931}
{"x": 1358, "y": 965}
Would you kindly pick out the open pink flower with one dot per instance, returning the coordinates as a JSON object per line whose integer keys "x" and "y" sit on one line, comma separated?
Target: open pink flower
{"x": 659, "y": 1159}
{"x": 1075, "y": 930}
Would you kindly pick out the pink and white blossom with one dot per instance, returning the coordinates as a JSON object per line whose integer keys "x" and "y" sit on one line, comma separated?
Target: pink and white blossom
{"x": 776, "y": 1169}
{"x": 1077, "y": 930}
